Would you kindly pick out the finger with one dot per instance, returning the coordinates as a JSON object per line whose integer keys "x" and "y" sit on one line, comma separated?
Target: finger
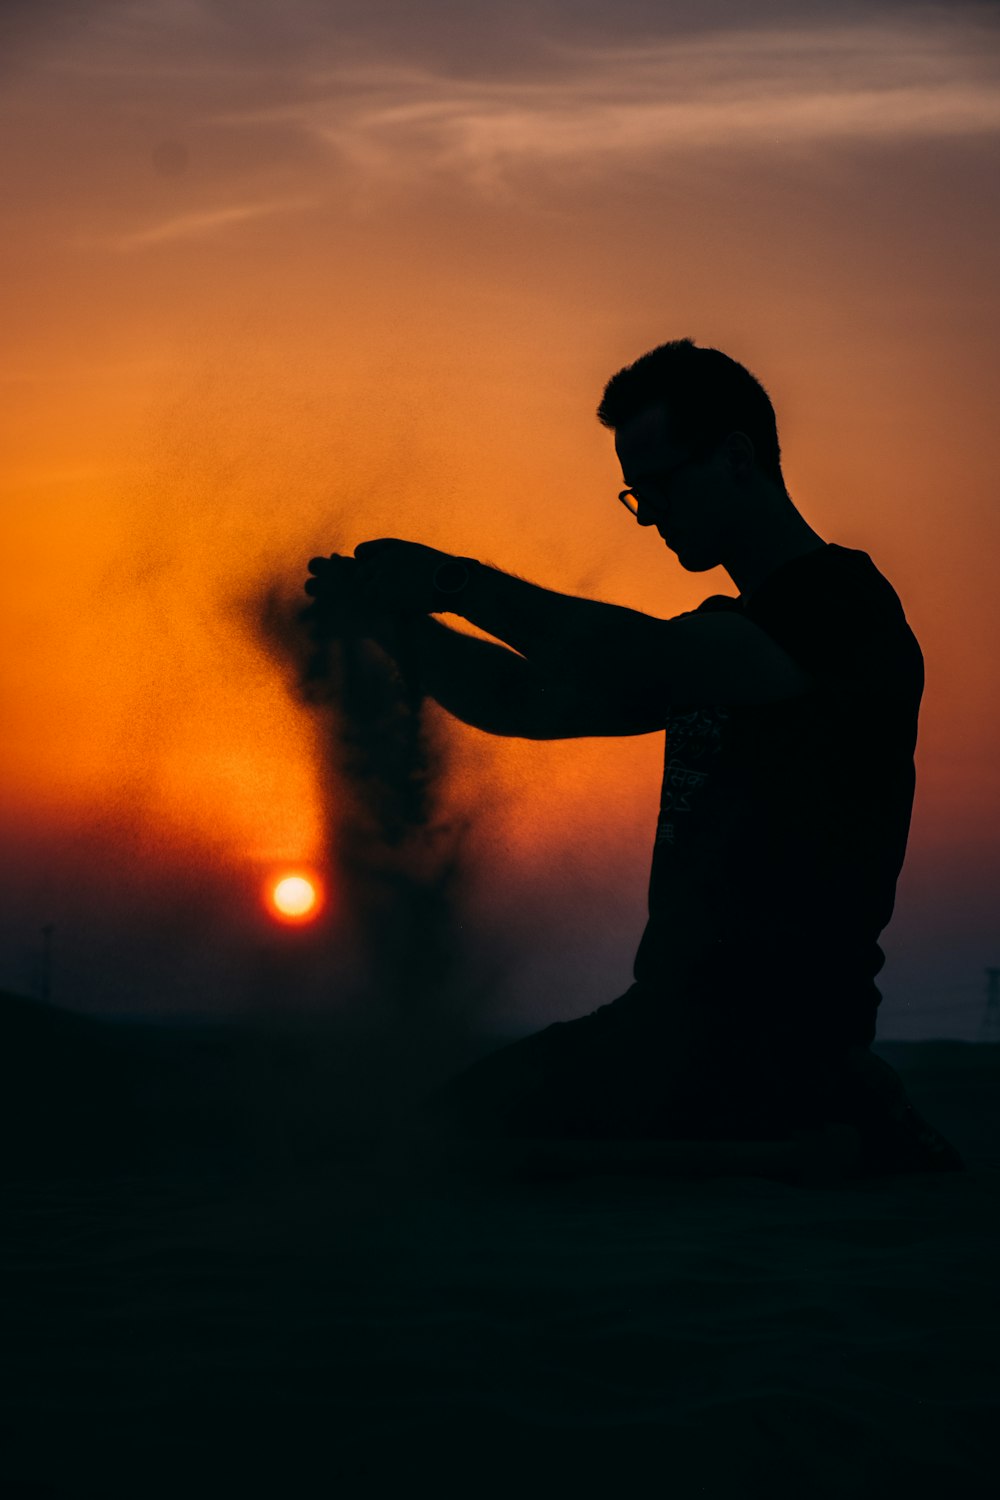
{"x": 369, "y": 549}
{"x": 322, "y": 564}
{"x": 332, "y": 580}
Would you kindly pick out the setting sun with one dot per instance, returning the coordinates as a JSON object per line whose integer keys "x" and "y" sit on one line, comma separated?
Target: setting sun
{"x": 293, "y": 898}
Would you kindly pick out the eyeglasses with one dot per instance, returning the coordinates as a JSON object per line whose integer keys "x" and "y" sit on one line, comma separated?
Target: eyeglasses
{"x": 632, "y": 498}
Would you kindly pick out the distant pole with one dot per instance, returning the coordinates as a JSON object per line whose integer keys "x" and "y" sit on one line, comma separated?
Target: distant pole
{"x": 991, "y": 1018}
{"x": 47, "y": 932}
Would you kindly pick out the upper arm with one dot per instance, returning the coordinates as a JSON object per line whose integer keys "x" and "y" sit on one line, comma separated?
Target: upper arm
{"x": 721, "y": 657}
{"x": 713, "y": 658}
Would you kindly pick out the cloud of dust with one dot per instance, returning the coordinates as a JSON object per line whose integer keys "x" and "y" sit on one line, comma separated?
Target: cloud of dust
{"x": 399, "y": 842}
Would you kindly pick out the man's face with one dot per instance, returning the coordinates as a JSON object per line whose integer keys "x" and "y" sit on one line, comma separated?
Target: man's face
{"x": 682, "y": 496}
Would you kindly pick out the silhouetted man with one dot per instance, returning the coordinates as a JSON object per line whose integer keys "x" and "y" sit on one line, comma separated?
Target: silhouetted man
{"x": 790, "y": 714}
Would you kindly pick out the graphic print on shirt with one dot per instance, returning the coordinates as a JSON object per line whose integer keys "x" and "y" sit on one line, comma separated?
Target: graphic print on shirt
{"x": 693, "y": 742}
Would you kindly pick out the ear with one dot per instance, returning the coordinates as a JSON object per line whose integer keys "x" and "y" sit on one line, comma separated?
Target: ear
{"x": 739, "y": 451}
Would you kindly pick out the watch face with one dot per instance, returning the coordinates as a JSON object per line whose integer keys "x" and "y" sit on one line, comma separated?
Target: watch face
{"x": 451, "y": 576}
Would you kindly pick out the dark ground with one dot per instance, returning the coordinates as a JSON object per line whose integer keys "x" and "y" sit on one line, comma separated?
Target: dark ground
{"x": 212, "y": 1284}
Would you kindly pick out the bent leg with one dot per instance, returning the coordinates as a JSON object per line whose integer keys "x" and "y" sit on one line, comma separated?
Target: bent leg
{"x": 602, "y": 1094}
{"x": 867, "y": 1093}
{"x": 625, "y": 1073}
{"x": 528, "y": 1089}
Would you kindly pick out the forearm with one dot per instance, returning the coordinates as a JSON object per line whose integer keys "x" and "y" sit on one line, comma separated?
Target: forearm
{"x": 482, "y": 684}
{"x": 578, "y": 668}
{"x": 555, "y": 631}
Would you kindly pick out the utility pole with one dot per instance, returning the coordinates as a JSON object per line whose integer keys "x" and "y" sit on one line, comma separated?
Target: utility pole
{"x": 990, "y": 1029}
{"x": 46, "y": 986}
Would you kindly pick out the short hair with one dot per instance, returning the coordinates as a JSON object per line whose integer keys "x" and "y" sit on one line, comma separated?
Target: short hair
{"x": 706, "y": 396}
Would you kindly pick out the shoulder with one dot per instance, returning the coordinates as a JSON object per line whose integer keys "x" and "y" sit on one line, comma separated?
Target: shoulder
{"x": 836, "y": 614}
{"x": 834, "y": 580}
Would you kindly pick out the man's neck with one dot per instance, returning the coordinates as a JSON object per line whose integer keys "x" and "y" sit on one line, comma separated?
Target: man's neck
{"x": 785, "y": 537}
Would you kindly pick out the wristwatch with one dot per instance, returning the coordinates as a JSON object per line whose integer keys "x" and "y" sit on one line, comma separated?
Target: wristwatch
{"x": 450, "y": 577}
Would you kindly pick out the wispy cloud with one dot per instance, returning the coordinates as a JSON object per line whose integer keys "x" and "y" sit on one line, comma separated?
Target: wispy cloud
{"x": 280, "y": 119}
{"x": 891, "y": 81}
{"x": 203, "y": 224}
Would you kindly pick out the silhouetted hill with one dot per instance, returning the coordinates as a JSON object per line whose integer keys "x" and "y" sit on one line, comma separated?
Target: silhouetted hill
{"x": 77, "y": 1092}
{"x": 80, "y": 1095}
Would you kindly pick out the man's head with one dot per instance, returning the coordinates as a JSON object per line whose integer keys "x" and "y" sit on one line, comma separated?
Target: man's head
{"x": 698, "y": 442}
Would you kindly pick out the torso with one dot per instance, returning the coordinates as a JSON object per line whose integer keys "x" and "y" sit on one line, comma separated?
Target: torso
{"x": 782, "y": 827}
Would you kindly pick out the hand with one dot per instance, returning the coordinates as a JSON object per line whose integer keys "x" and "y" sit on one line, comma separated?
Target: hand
{"x": 341, "y": 598}
{"x": 400, "y": 575}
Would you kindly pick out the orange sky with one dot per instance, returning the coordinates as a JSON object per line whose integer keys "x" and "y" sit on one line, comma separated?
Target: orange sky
{"x": 277, "y": 286}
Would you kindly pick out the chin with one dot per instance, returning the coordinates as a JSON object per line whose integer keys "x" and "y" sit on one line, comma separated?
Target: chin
{"x": 692, "y": 563}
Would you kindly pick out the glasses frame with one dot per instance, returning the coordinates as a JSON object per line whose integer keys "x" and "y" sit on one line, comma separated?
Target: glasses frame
{"x": 655, "y": 481}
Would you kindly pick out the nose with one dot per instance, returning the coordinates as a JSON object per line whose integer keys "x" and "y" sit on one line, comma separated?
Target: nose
{"x": 646, "y": 515}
